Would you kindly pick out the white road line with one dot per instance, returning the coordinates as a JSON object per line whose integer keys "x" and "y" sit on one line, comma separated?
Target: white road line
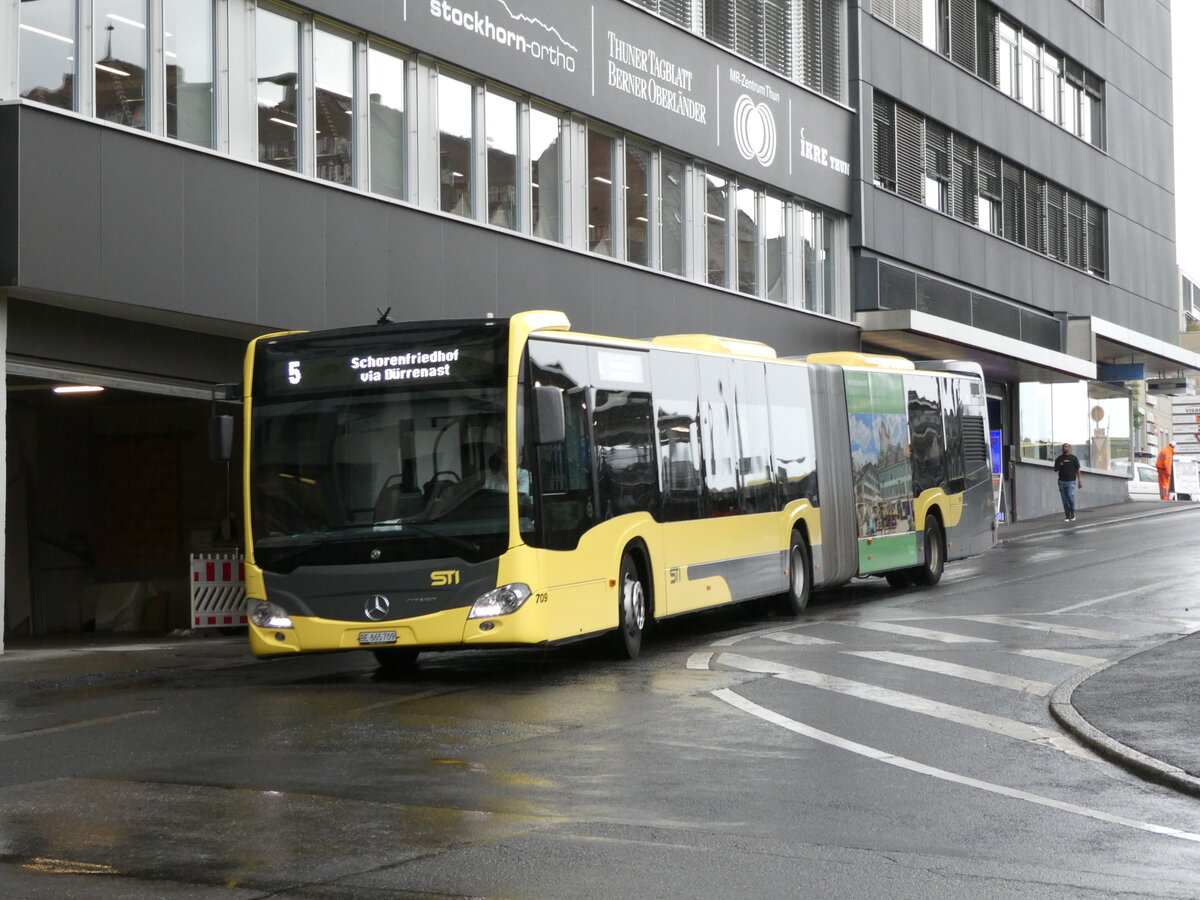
{"x": 1070, "y": 659}
{"x": 790, "y": 637}
{"x": 983, "y": 676}
{"x": 738, "y": 638}
{"x": 1020, "y": 731}
{"x": 900, "y": 762}
{"x": 945, "y": 637}
{"x": 1153, "y": 586}
{"x": 1048, "y": 627}
{"x": 699, "y": 661}
{"x": 71, "y": 726}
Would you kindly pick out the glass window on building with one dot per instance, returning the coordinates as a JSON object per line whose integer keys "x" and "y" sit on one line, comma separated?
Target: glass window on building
{"x": 775, "y": 236}
{"x": 1052, "y": 74}
{"x": 637, "y": 204}
{"x": 831, "y": 229}
{"x": 385, "y": 86}
{"x": 188, "y": 68}
{"x": 121, "y": 48}
{"x": 47, "y": 52}
{"x": 277, "y": 40}
{"x": 1093, "y": 417}
{"x": 545, "y": 141}
{"x": 333, "y": 78}
{"x": 500, "y": 120}
{"x": 456, "y": 100}
{"x": 716, "y": 227}
{"x": 746, "y": 199}
{"x": 671, "y": 231}
{"x": 809, "y": 276}
{"x": 1030, "y": 66}
{"x": 600, "y": 149}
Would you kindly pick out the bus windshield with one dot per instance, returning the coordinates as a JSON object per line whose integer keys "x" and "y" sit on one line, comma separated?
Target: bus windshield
{"x": 387, "y": 436}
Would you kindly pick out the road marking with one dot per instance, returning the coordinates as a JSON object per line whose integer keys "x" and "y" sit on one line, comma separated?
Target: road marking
{"x": 739, "y": 702}
{"x": 1070, "y": 659}
{"x": 983, "y": 676}
{"x": 1153, "y": 586}
{"x": 945, "y": 637}
{"x": 699, "y": 661}
{"x": 738, "y": 638}
{"x": 1049, "y": 627}
{"x": 71, "y": 726}
{"x": 790, "y": 637}
{"x": 1032, "y": 734}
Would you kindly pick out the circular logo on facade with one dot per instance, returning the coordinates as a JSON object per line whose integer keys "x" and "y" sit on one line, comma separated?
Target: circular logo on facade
{"x": 377, "y": 607}
{"x": 754, "y": 130}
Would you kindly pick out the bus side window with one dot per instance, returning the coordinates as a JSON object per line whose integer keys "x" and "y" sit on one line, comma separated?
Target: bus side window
{"x": 626, "y": 468}
{"x": 792, "y": 439}
{"x": 754, "y": 438}
{"x": 719, "y": 429}
{"x": 956, "y": 481}
{"x": 928, "y": 438}
{"x": 564, "y": 470}
{"x": 975, "y": 447}
{"x": 676, "y": 397}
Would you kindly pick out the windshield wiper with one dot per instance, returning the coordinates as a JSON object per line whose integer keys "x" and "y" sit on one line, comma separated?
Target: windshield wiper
{"x": 402, "y": 526}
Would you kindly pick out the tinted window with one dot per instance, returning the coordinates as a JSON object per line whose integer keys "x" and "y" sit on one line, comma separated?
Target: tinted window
{"x": 719, "y": 436}
{"x": 955, "y": 476}
{"x": 754, "y": 438}
{"x": 625, "y": 459}
{"x": 928, "y": 438}
{"x": 792, "y": 433}
{"x": 676, "y": 397}
{"x": 564, "y": 470}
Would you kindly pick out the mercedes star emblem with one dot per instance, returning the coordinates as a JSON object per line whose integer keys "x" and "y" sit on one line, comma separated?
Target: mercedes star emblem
{"x": 377, "y": 607}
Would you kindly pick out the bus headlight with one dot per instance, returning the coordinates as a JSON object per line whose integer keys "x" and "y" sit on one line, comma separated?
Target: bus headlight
{"x": 270, "y": 615}
{"x": 500, "y": 601}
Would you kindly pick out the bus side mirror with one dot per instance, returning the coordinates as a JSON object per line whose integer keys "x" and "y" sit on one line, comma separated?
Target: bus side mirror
{"x": 220, "y": 437}
{"x": 551, "y": 417}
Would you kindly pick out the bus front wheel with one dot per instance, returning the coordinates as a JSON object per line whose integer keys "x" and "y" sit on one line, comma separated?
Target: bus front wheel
{"x": 930, "y": 572}
{"x": 794, "y": 601}
{"x": 631, "y": 610}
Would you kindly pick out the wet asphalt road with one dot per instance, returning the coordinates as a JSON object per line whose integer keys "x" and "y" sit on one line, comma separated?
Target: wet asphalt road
{"x": 887, "y": 744}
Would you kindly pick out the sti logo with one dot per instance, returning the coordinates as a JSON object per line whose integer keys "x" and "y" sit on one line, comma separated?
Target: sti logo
{"x": 444, "y": 577}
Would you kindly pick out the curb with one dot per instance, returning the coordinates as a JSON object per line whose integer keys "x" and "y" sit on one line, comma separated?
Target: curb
{"x": 1107, "y": 520}
{"x": 1135, "y": 761}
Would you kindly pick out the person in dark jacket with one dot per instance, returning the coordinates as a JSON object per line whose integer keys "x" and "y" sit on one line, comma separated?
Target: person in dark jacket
{"x": 1069, "y": 478}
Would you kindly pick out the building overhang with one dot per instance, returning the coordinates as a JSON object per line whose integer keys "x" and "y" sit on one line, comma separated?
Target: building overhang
{"x": 1115, "y": 345}
{"x": 919, "y": 335}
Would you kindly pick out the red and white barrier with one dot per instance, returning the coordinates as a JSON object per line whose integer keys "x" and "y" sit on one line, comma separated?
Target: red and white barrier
{"x": 218, "y": 590}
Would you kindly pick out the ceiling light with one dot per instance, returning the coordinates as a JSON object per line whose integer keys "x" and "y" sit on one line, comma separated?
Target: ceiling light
{"x": 77, "y": 389}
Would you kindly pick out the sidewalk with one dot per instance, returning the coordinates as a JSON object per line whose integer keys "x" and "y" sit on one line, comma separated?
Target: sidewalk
{"x": 1138, "y": 711}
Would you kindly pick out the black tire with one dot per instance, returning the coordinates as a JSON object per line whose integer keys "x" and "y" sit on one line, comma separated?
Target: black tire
{"x": 795, "y": 600}
{"x": 396, "y": 661}
{"x": 930, "y": 572}
{"x": 632, "y": 610}
{"x": 899, "y": 579}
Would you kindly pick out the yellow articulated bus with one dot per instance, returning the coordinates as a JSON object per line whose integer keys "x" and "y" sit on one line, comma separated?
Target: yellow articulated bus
{"x": 509, "y": 482}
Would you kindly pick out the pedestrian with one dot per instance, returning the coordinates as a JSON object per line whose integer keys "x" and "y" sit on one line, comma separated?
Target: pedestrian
{"x": 1069, "y": 478}
{"x": 1166, "y": 470}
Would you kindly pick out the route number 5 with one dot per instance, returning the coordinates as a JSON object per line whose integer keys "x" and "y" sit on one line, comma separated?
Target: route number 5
{"x": 293, "y": 372}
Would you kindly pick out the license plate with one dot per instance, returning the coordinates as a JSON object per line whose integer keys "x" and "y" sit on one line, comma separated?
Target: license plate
{"x": 377, "y": 637}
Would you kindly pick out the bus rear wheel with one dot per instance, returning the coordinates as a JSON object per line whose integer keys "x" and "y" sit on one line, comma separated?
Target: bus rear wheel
{"x": 631, "y": 610}
{"x": 930, "y": 572}
{"x": 395, "y": 662}
{"x": 794, "y": 601}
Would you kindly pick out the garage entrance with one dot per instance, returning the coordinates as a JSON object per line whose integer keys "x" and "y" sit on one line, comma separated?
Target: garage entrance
{"x": 110, "y": 489}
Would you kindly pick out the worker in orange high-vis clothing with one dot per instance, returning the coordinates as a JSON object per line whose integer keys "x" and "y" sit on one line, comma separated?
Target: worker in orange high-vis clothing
{"x": 1166, "y": 470}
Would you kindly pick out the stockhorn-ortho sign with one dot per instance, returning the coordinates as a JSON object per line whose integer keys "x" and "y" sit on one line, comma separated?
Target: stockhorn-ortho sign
{"x": 621, "y": 65}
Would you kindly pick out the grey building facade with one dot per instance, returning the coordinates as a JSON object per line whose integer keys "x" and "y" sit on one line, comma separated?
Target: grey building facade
{"x": 178, "y": 176}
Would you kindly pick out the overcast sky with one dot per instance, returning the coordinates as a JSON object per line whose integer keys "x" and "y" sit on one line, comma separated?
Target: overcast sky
{"x": 1185, "y": 28}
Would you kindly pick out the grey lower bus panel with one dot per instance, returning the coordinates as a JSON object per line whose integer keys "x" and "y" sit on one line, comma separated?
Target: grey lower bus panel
{"x": 835, "y": 480}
